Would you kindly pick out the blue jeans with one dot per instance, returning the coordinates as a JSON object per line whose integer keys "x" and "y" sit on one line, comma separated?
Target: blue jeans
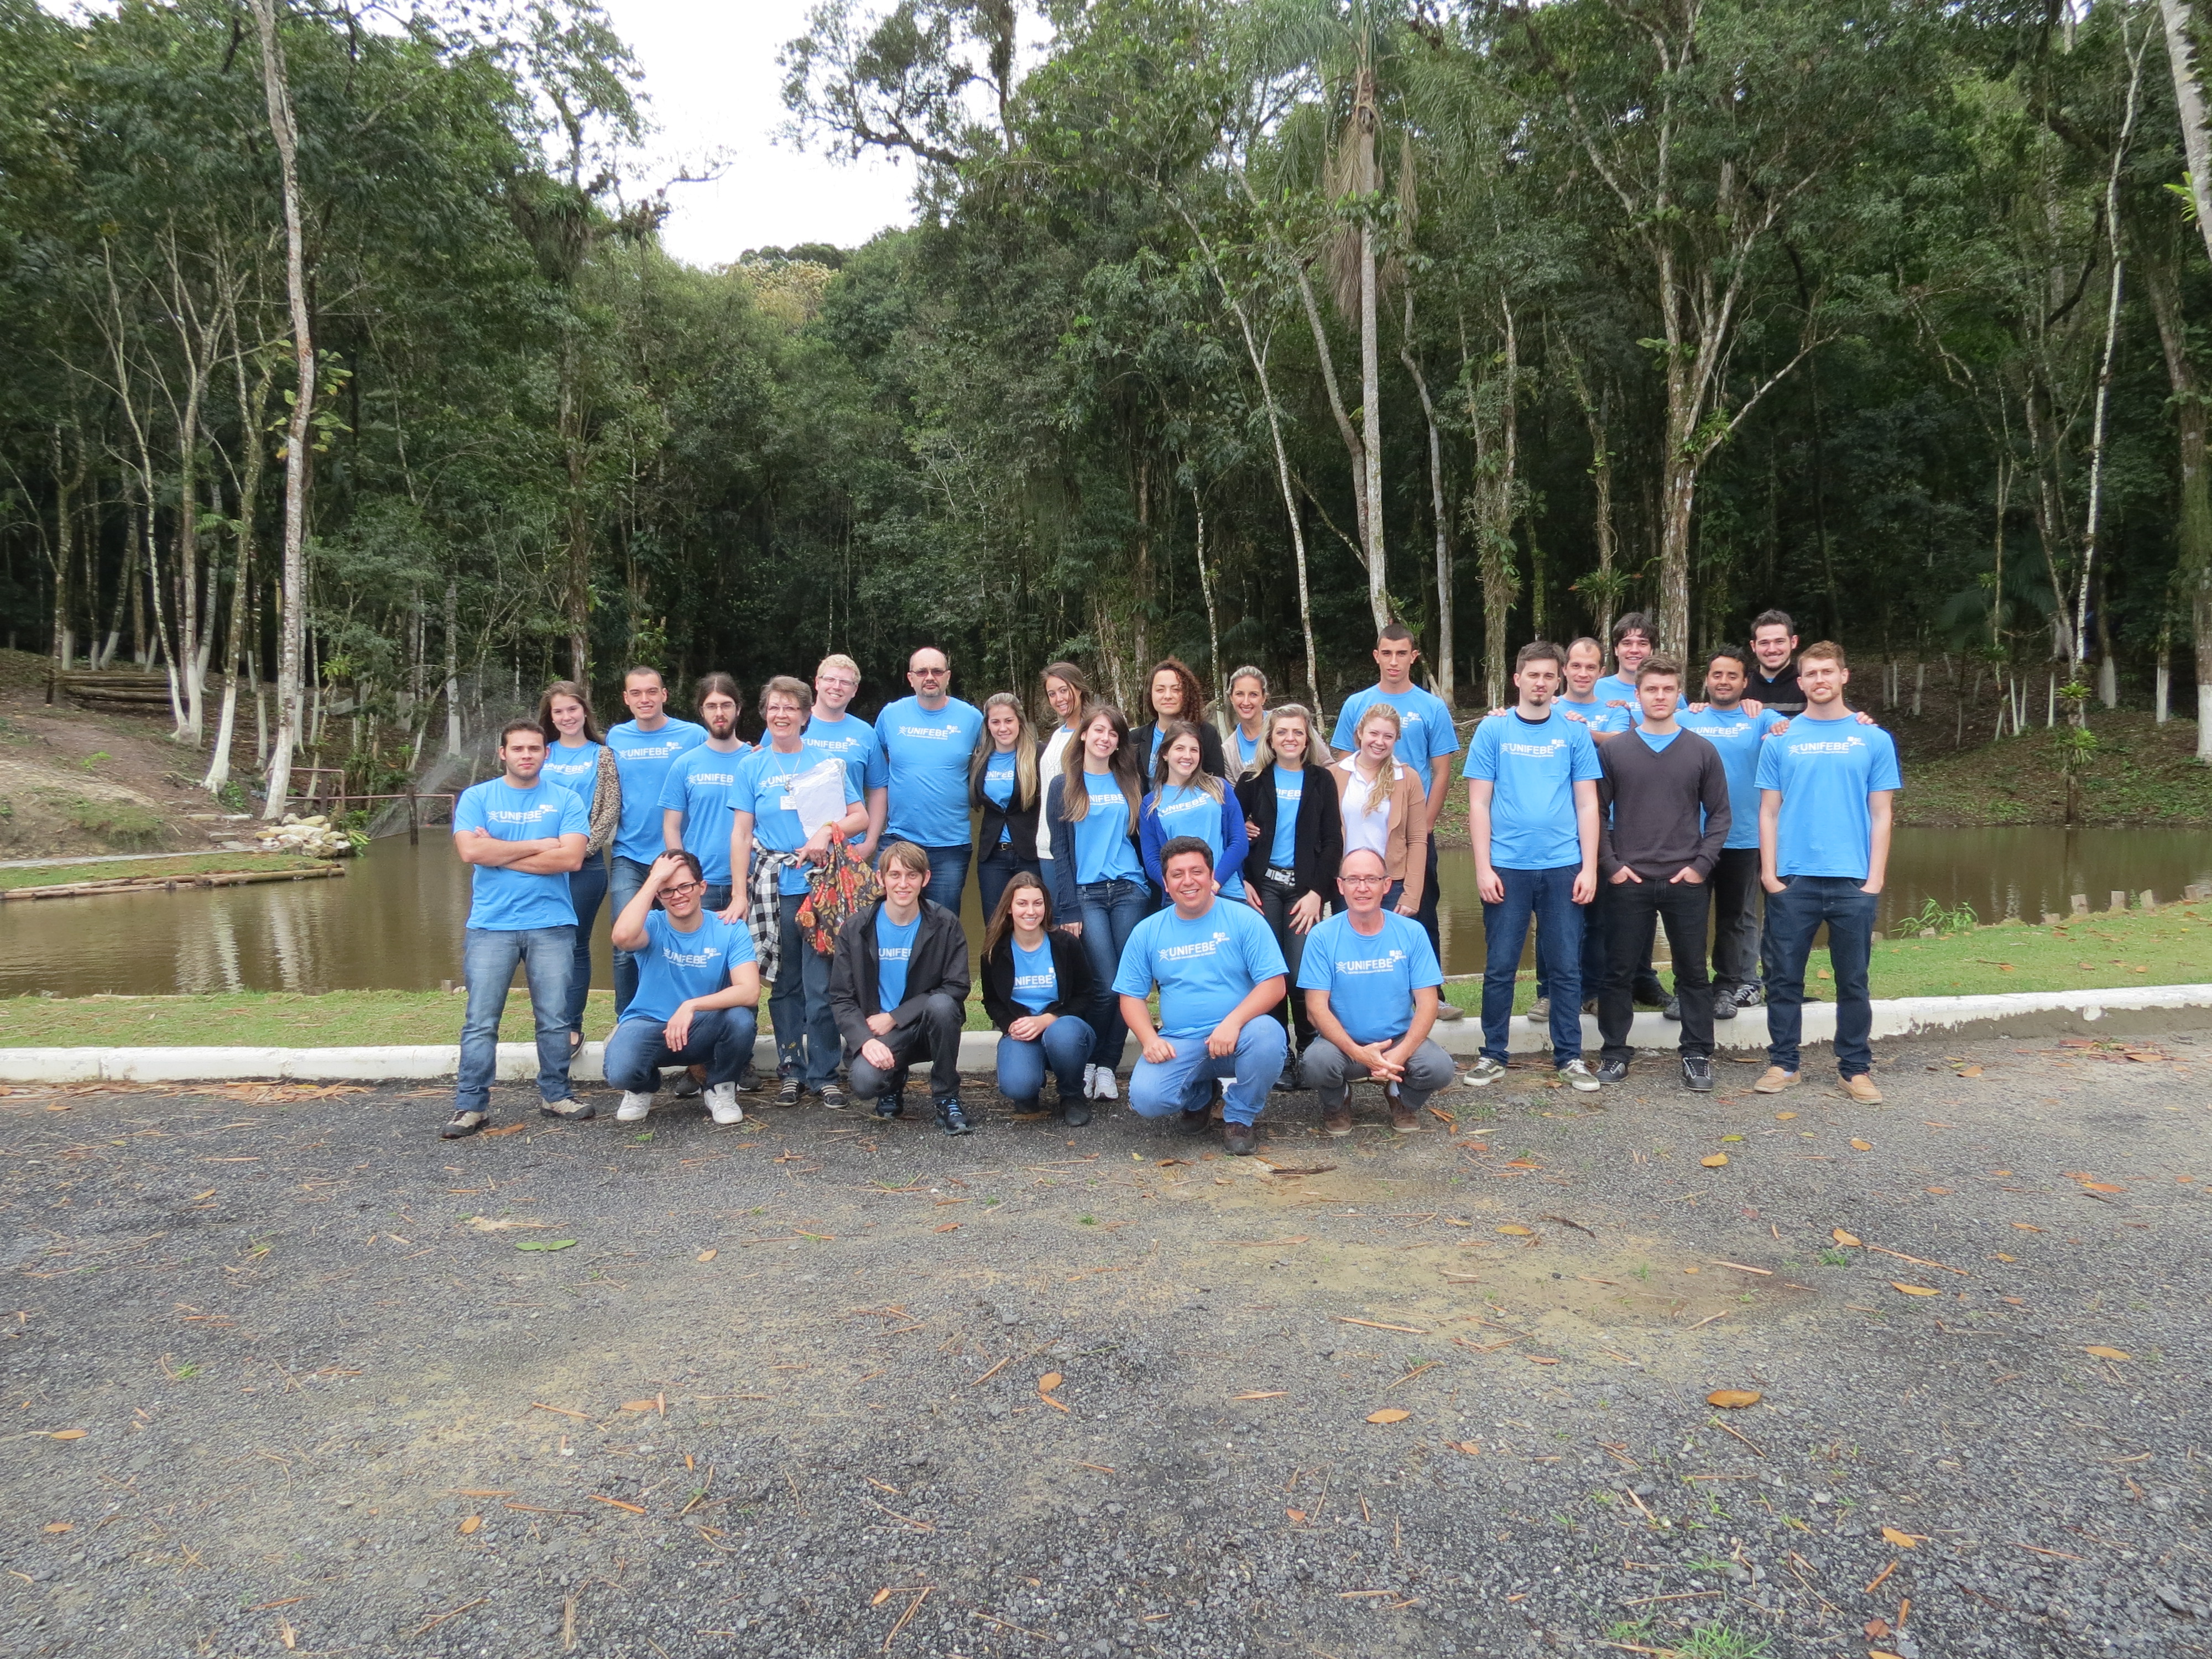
{"x": 488, "y": 957}
{"x": 1793, "y": 916}
{"x": 995, "y": 869}
{"x": 1111, "y": 911}
{"x": 587, "y": 890}
{"x": 716, "y": 897}
{"x": 948, "y": 875}
{"x": 1547, "y": 895}
{"x": 1185, "y": 1083}
{"x": 624, "y": 877}
{"x": 807, "y": 1046}
{"x": 1065, "y": 1046}
{"x": 721, "y": 1041}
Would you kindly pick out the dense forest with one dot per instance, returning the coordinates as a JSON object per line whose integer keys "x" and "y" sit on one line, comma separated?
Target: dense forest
{"x": 343, "y": 367}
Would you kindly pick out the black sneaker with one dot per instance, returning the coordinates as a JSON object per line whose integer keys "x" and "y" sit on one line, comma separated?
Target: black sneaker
{"x": 463, "y": 1124}
{"x": 788, "y": 1091}
{"x": 1196, "y": 1123}
{"x": 1651, "y": 993}
{"x": 1075, "y": 1110}
{"x": 891, "y": 1106}
{"x": 1698, "y": 1074}
{"x": 1724, "y": 1005}
{"x": 952, "y": 1119}
{"x": 568, "y": 1111}
{"x": 1610, "y": 1071}
{"x": 1671, "y": 1009}
{"x": 748, "y": 1081}
{"x": 1750, "y": 996}
{"x": 833, "y": 1099}
{"x": 1238, "y": 1139}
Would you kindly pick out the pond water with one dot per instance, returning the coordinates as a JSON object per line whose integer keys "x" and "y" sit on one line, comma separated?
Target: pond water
{"x": 394, "y": 920}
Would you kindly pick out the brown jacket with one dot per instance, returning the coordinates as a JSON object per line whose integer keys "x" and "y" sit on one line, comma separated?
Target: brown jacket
{"x": 1405, "y": 847}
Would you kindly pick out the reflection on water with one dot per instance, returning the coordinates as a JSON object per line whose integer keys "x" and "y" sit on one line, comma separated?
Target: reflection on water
{"x": 394, "y": 920}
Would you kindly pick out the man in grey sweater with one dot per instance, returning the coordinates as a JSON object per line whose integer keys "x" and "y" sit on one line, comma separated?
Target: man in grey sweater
{"x": 1662, "y": 819}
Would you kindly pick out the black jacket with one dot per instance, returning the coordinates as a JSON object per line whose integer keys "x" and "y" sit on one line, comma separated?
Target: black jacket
{"x": 1318, "y": 845}
{"x": 940, "y": 963}
{"x": 1070, "y": 966}
{"x": 1066, "y": 901}
{"x": 1211, "y": 756}
{"x": 997, "y": 819}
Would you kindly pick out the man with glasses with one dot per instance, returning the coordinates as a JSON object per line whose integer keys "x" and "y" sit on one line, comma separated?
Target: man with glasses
{"x": 923, "y": 743}
{"x": 1370, "y": 981}
{"x": 645, "y": 747}
{"x": 852, "y": 740}
{"x": 696, "y": 993}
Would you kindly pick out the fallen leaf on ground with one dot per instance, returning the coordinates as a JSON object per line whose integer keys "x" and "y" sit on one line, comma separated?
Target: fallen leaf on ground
{"x": 1904, "y": 1540}
{"x": 543, "y": 1243}
{"x": 1862, "y": 1145}
{"x": 1713, "y": 1160}
{"x": 1969, "y": 1071}
{"x": 1783, "y": 1117}
{"x": 1467, "y": 1446}
{"x": 471, "y": 1524}
{"x": 500, "y": 1224}
{"x": 67, "y": 1434}
{"x": 2025, "y": 1228}
{"x": 59, "y": 1525}
{"x": 640, "y": 1405}
{"x": 1876, "y": 1628}
{"x": 1914, "y": 1290}
{"x": 492, "y": 1134}
{"x": 2108, "y": 1354}
{"x": 1263, "y": 1394}
{"x": 1541, "y": 1359}
{"x": 1514, "y": 1230}
{"x": 1844, "y": 1239}
{"x": 1392, "y": 1414}
{"x": 1049, "y": 1381}
{"x": 1733, "y": 1399}
{"x": 949, "y": 1226}
{"x": 2102, "y": 1187}
{"x": 1297, "y": 1517}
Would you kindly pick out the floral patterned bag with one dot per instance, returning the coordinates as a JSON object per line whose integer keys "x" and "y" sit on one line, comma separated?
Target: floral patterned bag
{"x": 836, "y": 891}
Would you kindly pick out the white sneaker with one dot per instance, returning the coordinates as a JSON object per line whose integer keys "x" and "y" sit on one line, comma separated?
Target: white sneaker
{"x": 1091, "y": 1083}
{"x": 633, "y": 1108}
{"x": 1107, "y": 1088}
{"x": 722, "y": 1104}
{"x": 1483, "y": 1073}
{"x": 1577, "y": 1077}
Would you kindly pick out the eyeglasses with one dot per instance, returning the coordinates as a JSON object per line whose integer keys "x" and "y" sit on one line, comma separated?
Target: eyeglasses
{"x": 928, "y": 673}
{"x": 1365, "y": 881}
{"x": 683, "y": 889}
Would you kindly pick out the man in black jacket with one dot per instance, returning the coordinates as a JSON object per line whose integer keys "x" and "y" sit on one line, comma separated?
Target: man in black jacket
{"x": 1662, "y": 819}
{"x": 898, "y": 989}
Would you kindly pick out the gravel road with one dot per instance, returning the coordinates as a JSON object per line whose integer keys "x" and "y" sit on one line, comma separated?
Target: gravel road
{"x": 289, "y": 1373}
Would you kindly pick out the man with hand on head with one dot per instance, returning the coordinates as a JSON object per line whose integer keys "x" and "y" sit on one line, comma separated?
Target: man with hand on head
{"x": 523, "y": 836}
{"x": 1662, "y": 814}
{"x": 645, "y": 746}
{"x": 1219, "y": 973}
{"x": 696, "y": 995}
{"x": 924, "y": 743}
{"x": 899, "y": 990}
{"x": 1370, "y": 984}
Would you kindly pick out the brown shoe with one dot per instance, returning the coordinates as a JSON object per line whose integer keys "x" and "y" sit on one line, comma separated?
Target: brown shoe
{"x": 1774, "y": 1080}
{"x": 1861, "y": 1089}
{"x": 1337, "y": 1120}
{"x": 1403, "y": 1118}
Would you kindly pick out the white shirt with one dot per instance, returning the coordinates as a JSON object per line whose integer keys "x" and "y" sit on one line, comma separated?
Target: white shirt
{"x": 1363, "y": 828}
{"x": 1055, "y": 751}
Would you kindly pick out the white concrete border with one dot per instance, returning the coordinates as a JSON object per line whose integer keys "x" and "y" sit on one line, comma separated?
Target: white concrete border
{"x": 2021, "y": 1013}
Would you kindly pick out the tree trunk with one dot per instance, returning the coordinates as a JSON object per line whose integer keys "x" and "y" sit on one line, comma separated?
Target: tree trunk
{"x": 1494, "y": 416}
{"x": 252, "y": 411}
{"x": 2189, "y": 104}
{"x": 1370, "y": 429}
{"x": 1212, "y": 621}
{"x": 578, "y": 563}
{"x": 293, "y": 621}
{"x": 453, "y": 665}
{"x": 2192, "y": 530}
{"x": 1446, "y": 669}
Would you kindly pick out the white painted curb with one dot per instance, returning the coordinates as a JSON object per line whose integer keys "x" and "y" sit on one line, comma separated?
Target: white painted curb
{"x": 2039, "y": 1012}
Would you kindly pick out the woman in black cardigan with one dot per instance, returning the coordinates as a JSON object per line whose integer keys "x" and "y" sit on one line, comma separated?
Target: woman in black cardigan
{"x": 1175, "y": 694}
{"x": 1005, "y": 786}
{"x": 1034, "y": 976}
{"x": 1290, "y": 873}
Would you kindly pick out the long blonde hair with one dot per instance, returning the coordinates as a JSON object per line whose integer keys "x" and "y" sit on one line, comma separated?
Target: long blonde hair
{"x": 1075, "y": 792}
{"x": 1200, "y": 779}
{"x": 1025, "y": 748}
{"x": 1264, "y": 760}
{"x": 1386, "y": 776}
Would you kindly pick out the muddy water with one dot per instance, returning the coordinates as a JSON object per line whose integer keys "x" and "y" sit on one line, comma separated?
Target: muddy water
{"x": 394, "y": 920}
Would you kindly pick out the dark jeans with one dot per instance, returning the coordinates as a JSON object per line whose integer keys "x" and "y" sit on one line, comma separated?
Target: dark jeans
{"x": 948, "y": 875}
{"x": 489, "y": 958}
{"x": 1546, "y": 897}
{"x": 1111, "y": 911}
{"x": 624, "y": 877}
{"x": 1793, "y": 916}
{"x": 930, "y": 1032}
{"x": 1426, "y": 916}
{"x": 994, "y": 870}
{"x": 587, "y": 891}
{"x": 721, "y": 1040}
{"x": 1633, "y": 910}
{"x": 1597, "y": 929}
{"x": 1736, "y": 918}
{"x": 1275, "y": 903}
{"x": 806, "y": 1045}
{"x": 716, "y": 897}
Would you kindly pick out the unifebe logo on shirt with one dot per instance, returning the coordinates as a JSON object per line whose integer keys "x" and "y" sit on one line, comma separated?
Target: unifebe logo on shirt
{"x": 1533, "y": 750}
{"x": 1827, "y": 745}
{"x": 1382, "y": 965}
{"x": 937, "y": 733}
{"x": 1204, "y": 947}
{"x": 699, "y": 958}
{"x": 528, "y": 815}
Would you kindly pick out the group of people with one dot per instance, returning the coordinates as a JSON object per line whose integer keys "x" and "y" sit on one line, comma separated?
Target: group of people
{"x": 1275, "y": 891}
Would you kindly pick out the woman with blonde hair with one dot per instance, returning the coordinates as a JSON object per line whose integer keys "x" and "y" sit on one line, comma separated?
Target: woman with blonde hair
{"x": 1098, "y": 885}
{"x": 577, "y": 758}
{"x": 1003, "y": 785}
{"x": 1067, "y": 693}
{"x": 1296, "y": 832}
{"x": 1384, "y": 807}
{"x": 1244, "y": 722}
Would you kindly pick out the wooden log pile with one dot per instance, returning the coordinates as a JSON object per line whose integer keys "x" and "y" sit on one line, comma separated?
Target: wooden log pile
{"x": 172, "y": 884}
{"x": 109, "y": 688}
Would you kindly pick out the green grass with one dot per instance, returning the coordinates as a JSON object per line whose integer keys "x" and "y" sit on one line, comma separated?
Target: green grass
{"x": 188, "y": 864}
{"x": 2142, "y": 774}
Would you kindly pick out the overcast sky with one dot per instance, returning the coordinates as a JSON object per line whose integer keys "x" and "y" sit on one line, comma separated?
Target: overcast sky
{"x": 711, "y": 75}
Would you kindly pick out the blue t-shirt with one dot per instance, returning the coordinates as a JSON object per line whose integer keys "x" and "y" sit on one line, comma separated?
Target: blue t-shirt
{"x": 698, "y": 786}
{"x": 1203, "y": 968}
{"x": 1184, "y": 809}
{"x": 853, "y": 741}
{"x": 925, "y": 754}
{"x": 1424, "y": 726}
{"x": 1036, "y": 982}
{"x": 1825, "y": 771}
{"x": 1248, "y": 749}
{"x": 1102, "y": 852}
{"x": 894, "y": 950}
{"x": 1654, "y": 742}
{"x": 1534, "y": 766}
{"x": 676, "y": 966}
{"x": 508, "y": 901}
{"x": 1290, "y": 790}
{"x": 576, "y": 769}
{"x": 762, "y": 787}
{"x": 1611, "y": 686}
{"x": 642, "y": 762}
{"x": 1738, "y": 737}
{"x": 999, "y": 785}
{"x": 1599, "y": 717}
{"x": 1370, "y": 981}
